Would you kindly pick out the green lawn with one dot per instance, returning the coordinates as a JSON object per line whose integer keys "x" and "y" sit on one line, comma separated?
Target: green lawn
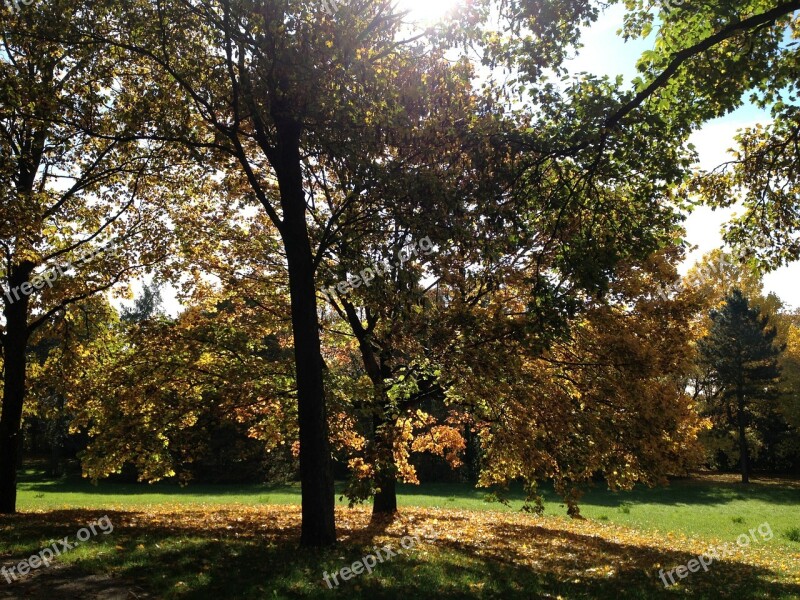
{"x": 712, "y": 510}
{"x": 241, "y": 542}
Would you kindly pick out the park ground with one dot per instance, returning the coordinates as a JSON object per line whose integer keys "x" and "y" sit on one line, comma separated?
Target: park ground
{"x": 240, "y": 541}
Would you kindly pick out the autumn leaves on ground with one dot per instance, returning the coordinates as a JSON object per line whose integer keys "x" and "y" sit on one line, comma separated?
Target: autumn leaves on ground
{"x": 242, "y": 543}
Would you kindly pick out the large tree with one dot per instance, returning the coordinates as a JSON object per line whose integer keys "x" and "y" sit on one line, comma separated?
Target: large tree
{"x": 275, "y": 92}
{"x": 742, "y": 359}
{"x": 77, "y": 214}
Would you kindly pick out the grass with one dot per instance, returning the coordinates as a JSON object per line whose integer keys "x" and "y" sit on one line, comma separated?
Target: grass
{"x": 240, "y": 542}
{"x": 710, "y": 508}
{"x": 793, "y": 534}
{"x": 243, "y": 552}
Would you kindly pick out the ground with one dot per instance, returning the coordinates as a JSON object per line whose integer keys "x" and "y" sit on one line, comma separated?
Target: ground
{"x": 241, "y": 542}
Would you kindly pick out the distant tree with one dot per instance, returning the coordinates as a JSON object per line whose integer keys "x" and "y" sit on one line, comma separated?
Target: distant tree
{"x": 59, "y": 352}
{"x": 718, "y": 273}
{"x": 146, "y": 306}
{"x": 790, "y": 371}
{"x": 787, "y": 451}
{"x": 218, "y": 404}
{"x": 742, "y": 360}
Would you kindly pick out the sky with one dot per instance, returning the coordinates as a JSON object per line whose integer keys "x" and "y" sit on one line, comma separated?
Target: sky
{"x": 606, "y": 53}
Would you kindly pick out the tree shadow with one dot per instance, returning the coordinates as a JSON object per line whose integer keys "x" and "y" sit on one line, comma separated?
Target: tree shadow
{"x": 692, "y": 492}
{"x": 233, "y": 553}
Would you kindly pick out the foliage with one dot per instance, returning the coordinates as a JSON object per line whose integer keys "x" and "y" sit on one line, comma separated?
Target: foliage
{"x": 752, "y": 59}
{"x": 175, "y": 410}
{"x": 607, "y": 399}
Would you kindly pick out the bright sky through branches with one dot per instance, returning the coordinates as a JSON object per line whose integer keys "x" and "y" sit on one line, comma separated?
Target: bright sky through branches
{"x": 605, "y": 53}
{"x": 426, "y": 12}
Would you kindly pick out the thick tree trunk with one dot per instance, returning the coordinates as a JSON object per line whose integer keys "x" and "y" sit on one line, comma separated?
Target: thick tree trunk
{"x": 15, "y": 345}
{"x": 744, "y": 451}
{"x": 316, "y": 475}
{"x": 385, "y": 500}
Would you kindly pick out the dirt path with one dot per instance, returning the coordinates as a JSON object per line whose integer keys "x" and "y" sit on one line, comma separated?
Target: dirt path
{"x": 59, "y": 582}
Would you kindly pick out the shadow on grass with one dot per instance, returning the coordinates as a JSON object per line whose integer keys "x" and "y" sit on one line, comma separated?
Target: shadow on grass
{"x": 229, "y": 554}
{"x": 75, "y": 484}
{"x": 691, "y": 492}
{"x": 678, "y": 492}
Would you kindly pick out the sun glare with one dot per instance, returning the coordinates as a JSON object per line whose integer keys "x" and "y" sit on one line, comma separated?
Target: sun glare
{"x": 426, "y": 11}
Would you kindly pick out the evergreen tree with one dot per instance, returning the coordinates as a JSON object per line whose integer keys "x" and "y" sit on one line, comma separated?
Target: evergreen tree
{"x": 742, "y": 360}
{"x": 146, "y": 306}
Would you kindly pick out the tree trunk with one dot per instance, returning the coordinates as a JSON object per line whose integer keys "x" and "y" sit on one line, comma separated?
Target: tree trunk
{"x": 15, "y": 343}
{"x": 316, "y": 475}
{"x": 744, "y": 452}
{"x": 54, "y": 469}
{"x": 385, "y": 500}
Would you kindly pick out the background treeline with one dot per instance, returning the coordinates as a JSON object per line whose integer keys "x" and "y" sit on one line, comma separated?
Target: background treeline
{"x": 226, "y": 441}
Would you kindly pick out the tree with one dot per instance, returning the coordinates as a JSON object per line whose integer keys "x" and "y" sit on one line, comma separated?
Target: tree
{"x": 791, "y": 372}
{"x": 743, "y": 361}
{"x": 710, "y": 59}
{"x": 783, "y": 438}
{"x": 78, "y": 197}
{"x": 436, "y": 182}
{"x": 277, "y": 93}
{"x": 146, "y": 306}
{"x": 707, "y": 60}
{"x": 60, "y": 351}
{"x": 228, "y": 368}
{"x": 763, "y": 175}
{"x": 718, "y": 273}
{"x": 604, "y": 397}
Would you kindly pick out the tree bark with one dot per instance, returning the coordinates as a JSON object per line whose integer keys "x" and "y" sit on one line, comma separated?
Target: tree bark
{"x": 744, "y": 452}
{"x": 15, "y": 345}
{"x": 385, "y": 500}
{"x": 316, "y": 474}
